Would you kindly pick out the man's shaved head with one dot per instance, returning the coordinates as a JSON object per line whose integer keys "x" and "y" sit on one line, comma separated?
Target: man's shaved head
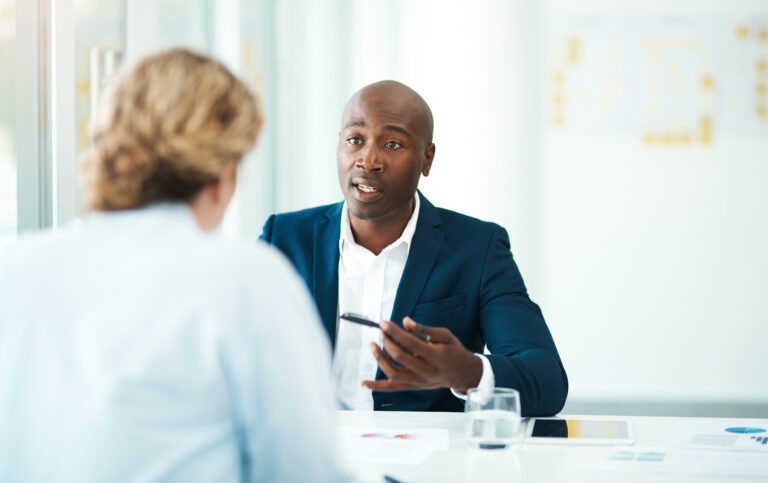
{"x": 401, "y": 101}
{"x": 385, "y": 147}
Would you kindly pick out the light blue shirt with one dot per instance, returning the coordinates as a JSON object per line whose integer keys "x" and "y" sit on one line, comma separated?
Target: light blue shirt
{"x": 135, "y": 347}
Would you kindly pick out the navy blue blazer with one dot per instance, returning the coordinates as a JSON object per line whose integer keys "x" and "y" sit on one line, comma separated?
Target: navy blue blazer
{"x": 459, "y": 274}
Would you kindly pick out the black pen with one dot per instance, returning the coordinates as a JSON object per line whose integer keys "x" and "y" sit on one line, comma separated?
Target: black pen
{"x": 359, "y": 319}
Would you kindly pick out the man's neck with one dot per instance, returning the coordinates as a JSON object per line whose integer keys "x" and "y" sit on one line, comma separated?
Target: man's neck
{"x": 376, "y": 235}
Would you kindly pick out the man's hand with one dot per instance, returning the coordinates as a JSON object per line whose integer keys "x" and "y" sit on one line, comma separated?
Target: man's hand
{"x": 441, "y": 362}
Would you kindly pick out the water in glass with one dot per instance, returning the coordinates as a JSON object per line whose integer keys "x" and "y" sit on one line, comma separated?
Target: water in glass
{"x": 493, "y": 417}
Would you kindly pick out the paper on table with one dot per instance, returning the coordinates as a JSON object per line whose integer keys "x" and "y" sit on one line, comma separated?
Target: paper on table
{"x": 744, "y": 435}
{"x": 681, "y": 462}
{"x": 391, "y": 445}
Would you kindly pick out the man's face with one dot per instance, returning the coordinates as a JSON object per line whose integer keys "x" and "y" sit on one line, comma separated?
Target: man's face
{"x": 382, "y": 152}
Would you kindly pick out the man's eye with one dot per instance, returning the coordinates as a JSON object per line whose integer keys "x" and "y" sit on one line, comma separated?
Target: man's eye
{"x": 354, "y": 140}
{"x": 394, "y": 145}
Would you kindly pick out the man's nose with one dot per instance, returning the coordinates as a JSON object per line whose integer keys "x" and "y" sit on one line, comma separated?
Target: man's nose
{"x": 369, "y": 160}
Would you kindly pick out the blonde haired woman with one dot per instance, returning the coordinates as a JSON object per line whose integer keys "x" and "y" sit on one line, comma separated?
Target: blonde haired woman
{"x": 137, "y": 346}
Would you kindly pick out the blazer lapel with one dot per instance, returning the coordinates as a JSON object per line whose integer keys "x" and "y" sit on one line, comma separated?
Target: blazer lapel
{"x": 325, "y": 277}
{"x": 425, "y": 247}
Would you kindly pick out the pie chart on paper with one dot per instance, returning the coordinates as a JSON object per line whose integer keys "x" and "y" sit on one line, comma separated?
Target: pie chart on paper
{"x": 745, "y": 430}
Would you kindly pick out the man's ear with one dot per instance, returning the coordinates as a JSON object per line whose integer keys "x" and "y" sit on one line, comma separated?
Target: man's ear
{"x": 429, "y": 155}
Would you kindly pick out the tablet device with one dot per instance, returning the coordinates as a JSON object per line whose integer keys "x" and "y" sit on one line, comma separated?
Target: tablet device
{"x": 579, "y": 430}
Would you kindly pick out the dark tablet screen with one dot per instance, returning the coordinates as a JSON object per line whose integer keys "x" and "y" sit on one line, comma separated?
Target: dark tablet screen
{"x": 579, "y": 428}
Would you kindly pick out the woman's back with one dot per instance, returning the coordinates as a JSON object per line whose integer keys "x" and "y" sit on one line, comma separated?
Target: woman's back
{"x": 134, "y": 346}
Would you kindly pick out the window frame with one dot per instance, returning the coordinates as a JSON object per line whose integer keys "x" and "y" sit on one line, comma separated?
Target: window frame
{"x": 44, "y": 134}
{"x": 33, "y": 129}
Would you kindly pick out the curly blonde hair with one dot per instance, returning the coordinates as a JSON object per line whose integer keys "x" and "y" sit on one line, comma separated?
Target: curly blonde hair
{"x": 165, "y": 128}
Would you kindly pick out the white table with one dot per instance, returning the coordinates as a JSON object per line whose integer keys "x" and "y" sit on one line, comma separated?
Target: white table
{"x": 528, "y": 463}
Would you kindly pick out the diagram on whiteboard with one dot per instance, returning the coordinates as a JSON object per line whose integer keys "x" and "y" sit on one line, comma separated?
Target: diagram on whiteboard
{"x": 667, "y": 81}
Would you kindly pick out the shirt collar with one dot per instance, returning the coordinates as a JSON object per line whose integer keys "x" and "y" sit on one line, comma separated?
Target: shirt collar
{"x": 346, "y": 237}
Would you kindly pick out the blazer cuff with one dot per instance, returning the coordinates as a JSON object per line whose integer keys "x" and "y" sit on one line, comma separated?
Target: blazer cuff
{"x": 487, "y": 380}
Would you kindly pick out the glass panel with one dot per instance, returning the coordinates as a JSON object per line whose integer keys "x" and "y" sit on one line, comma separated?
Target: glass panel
{"x": 8, "y": 203}
{"x": 108, "y": 32}
{"x": 100, "y": 37}
{"x": 239, "y": 32}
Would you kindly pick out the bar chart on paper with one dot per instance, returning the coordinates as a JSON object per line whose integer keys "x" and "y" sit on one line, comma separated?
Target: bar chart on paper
{"x": 759, "y": 439}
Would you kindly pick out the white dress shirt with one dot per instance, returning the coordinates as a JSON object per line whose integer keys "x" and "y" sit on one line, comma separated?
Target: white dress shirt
{"x": 368, "y": 286}
{"x": 135, "y": 347}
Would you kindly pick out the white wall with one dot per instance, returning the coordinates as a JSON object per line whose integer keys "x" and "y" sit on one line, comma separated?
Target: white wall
{"x": 654, "y": 256}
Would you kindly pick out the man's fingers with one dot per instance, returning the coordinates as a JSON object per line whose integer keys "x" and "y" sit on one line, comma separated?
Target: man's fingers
{"x": 436, "y": 334}
{"x": 385, "y": 364}
{"x": 405, "y": 358}
{"x": 408, "y": 341}
{"x": 393, "y": 372}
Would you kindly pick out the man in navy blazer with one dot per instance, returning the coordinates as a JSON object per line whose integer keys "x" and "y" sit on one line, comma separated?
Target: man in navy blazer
{"x": 459, "y": 283}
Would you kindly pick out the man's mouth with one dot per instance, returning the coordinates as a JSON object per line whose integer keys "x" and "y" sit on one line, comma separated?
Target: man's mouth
{"x": 366, "y": 189}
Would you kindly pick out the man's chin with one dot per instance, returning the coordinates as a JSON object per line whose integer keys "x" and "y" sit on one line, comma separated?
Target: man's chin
{"x": 362, "y": 212}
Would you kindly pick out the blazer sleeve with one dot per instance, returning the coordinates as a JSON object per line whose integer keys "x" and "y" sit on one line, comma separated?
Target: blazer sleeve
{"x": 266, "y": 230}
{"x": 523, "y": 353}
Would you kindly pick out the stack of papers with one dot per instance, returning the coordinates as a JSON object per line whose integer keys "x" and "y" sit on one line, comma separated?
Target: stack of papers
{"x": 664, "y": 460}
{"x": 714, "y": 448}
{"x": 719, "y": 436}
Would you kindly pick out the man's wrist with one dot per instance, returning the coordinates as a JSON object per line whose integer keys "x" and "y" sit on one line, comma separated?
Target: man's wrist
{"x": 471, "y": 376}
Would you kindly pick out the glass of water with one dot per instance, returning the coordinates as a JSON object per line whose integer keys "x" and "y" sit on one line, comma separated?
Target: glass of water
{"x": 493, "y": 417}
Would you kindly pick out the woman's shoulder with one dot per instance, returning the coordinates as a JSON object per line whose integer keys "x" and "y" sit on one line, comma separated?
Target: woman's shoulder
{"x": 253, "y": 262}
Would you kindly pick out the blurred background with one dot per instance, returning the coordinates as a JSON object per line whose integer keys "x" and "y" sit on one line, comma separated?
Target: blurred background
{"x": 623, "y": 145}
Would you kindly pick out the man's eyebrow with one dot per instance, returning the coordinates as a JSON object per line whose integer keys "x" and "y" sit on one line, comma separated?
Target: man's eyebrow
{"x": 397, "y": 129}
{"x": 388, "y": 127}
